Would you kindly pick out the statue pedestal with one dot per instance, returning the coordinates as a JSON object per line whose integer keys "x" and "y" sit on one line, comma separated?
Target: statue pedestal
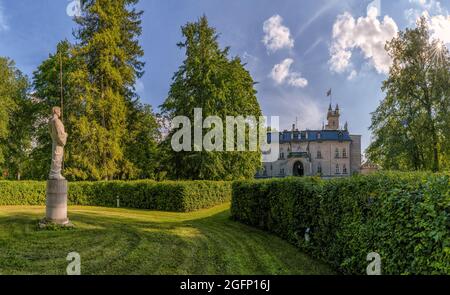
{"x": 56, "y": 204}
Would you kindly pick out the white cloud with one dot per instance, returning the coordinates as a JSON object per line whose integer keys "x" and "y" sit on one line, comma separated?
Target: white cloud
{"x": 352, "y": 75}
{"x": 296, "y": 80}
{"x": 276, "y": 36}
{"x": 423, "y": 8}
{"x": 367, "y": 34}
{"x": 440, "y": 28}
{"x": 429, "y": 5}
{"x": 437, "y": 16}
{"x": 376, "y": 4}
{"x": 3, "y": 23}
{"x": 281, "y": 73}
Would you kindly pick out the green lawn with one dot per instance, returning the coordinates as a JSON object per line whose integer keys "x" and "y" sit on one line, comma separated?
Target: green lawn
{"x": 124, "y": 241}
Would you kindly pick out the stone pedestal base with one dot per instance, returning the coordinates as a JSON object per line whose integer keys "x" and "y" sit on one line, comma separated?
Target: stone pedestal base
{"x": 56, "y": 204}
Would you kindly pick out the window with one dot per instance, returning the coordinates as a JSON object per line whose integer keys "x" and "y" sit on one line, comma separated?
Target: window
{"x": 344, "y": 169}
{"x": 282, "y": 156}
{"x": 319, "y": 155}
{"x": 282, "y": 171}
{"x": 344, "y": 153}
{"x": 318, "y": 135}
{"x": 319, "y": 168}
{"x": 337, "y": 169}
{"x": 336, "y": 153}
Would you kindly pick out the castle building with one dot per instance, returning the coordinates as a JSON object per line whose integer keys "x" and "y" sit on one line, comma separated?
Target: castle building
{"x": 329, "y": 152}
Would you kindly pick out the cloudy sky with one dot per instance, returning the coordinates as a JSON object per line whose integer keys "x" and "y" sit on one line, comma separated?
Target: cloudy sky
{"x": 295, "y": 49}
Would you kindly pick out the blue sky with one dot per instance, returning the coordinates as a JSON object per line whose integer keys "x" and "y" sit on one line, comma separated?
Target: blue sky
{"x": 295, "y": 49}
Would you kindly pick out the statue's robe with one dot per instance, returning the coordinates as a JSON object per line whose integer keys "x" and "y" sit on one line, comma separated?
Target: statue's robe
{"x": 59, "y": 138}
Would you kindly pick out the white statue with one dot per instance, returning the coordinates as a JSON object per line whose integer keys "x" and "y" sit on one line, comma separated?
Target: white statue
{"x": 59, "y": 138}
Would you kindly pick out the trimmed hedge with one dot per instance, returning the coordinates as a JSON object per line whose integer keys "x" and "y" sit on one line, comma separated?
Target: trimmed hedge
{"x": 405, "y": 217}
{"x": 179, "y": 196}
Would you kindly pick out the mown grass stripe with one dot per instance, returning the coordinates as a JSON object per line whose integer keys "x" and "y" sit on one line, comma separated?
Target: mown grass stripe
{"x": 129, "y": 241}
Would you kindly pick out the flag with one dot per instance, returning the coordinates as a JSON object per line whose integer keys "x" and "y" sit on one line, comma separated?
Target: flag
{"x": 329, "y": 92}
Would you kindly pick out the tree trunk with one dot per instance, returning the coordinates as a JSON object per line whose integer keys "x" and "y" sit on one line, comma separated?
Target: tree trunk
{"x": 435, "y": 153}
{"x": 434, "y": 141}
{"x": 434, "y": 138}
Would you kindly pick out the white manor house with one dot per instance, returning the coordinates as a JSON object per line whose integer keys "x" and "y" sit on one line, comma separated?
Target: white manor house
{"x": 330, "y": 152}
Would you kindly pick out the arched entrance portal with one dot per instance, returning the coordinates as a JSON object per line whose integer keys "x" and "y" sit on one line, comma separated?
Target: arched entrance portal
{"x": 298, "y": 169}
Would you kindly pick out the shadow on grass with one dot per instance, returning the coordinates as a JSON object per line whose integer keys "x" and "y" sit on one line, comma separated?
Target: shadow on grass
{"x": 121, "y": 242}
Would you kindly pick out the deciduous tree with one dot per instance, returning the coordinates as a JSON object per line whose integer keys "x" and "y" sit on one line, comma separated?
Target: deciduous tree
{"x": 411, "y": 124}
{"x": 16, "y": 118}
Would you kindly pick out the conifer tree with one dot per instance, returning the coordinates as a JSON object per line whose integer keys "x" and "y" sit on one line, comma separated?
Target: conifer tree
{"x": 104, "y": 85}
{"x": 220, "y": 86}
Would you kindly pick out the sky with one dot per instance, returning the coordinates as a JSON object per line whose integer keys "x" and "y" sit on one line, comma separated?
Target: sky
{"x": 296, "y": 50}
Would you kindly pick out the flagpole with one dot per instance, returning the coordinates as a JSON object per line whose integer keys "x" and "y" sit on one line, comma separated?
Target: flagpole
{"x": 61, "y": 85}
{"x": 330, "y": 94}
{"x": 62, "y": 95}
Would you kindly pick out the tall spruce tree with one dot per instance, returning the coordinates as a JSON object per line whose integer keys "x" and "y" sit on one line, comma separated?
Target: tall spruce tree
{"x": 220, "y": 86}
{"x": 104, "y": 86}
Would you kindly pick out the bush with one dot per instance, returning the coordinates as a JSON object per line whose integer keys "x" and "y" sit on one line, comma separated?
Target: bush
{"x": 22, "y": 193}
{"x": 180, "y": 196}
{"x": 405, "y": 217}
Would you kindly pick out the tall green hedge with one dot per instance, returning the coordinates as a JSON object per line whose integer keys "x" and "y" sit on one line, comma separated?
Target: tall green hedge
{"x": 405, "y": 217}
{"x": 180, "y": 196}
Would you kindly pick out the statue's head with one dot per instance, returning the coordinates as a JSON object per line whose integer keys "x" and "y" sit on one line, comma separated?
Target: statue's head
{"x": 56, "y": 111}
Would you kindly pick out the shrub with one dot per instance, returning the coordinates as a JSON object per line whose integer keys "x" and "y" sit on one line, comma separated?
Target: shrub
{"x": 405, "y": 217}
{"x": 181, "y": 196}
{"x": 22, "y": 193}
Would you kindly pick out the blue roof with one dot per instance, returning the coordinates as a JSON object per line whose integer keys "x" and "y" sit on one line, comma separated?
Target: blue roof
{"x": 312, "y": 135}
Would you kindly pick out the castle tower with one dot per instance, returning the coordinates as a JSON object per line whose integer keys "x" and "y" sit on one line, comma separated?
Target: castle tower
{"x": 333, "y": 118}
